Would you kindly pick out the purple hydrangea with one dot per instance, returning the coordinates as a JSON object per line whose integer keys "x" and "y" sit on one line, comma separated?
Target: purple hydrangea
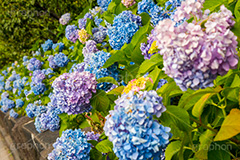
{"x": 71, "y": 33}
{"x": 125, "y": 25}
{"x": 83, "y": 21}
{"x": 71, "y": 145}
{"x": 131, "y": 128}
{"x": 65, "y": 19}
{"x": 89, "y": 49}
{"x": 92, "y": 136}
{"x": 73, "y": 91}
{"x": 34, "y": 64}
{"x": 100, "y": 34}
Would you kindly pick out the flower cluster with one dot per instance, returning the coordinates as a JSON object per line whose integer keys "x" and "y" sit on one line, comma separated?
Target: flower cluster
{"x": 71, "y": 33}
{"x": 19, "y": 85}
{"x": 19, "y": 103}
{"x": 136, "y": 85}
{"x": 48, "y": 72}
{"x": 194, "y": 54}
{"x": 128, "y": 3}
{"x": 60, "y": 45}
{"x": 83, "y": 36}
{"x": 99, "y": 34}
{"x": 83, "y": 21}
{"x": 6, "y": 103}
{"x": 71, "y": 145}
{"x": 13, "y": 114}
{"x": 58, "y": 60}
{"x": 47, "y": 45}
{"x": 34, "y": 64}
{"x": 125, "y": 25}
{"x": 92, "y": 136}
{"x": 35, "y": 109}
{"x": 97, "y": 21}
{"x": 94, "y": 65}
{"x": 73, "y": 91}
{"x": 89, "y": 49}
{"x": 131, "y": 128}
{"x": 104, "y": 4}
{"x": 2, "y": 83}
{"x": 65, "y": 19}
{"x": 37, "y": 86}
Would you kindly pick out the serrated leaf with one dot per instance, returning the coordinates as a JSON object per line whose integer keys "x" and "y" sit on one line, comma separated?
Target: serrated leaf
{"x": 230, "y": 126}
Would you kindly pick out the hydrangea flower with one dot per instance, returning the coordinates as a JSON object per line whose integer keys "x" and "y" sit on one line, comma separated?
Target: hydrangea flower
{"x": 94, "y": 65}
{"x": 125, "y": 25}
{"x": 25, "y": 58}
{"x": 71, "y": 33}
{"x": 104, "y": 4}
{"x": 6, "y": 103}
{"x": 34, "y": 64}
{"x": 71, "y": 145}
{"x": 38, "y": 76}
{"x": 8, "y": 85}
{"x": 19, "y": 103}
{"x": 92, "y": 136}
{"x": 13, "y": 114}
{"x": 83, "y": 36}
{"x": 73, "y": 91}
{"x": 97, "y": 21}
{"x": 58, "y": 60}
{"x": 128, "y": 3}
{"x": 83, "y": 21}
{"x": 132, "y": 130}
{"x": 4, "y": 72}
{"x": 65, "y": 19}
{"x": 35, "y": 109}
{"x": 194, "y": 55}
{"x": 99, "y": 34}
{"x": 149, "y": 49}
{"x": 96, "y": 10}
{"x": 60, "y": 44}
{"x": 38, "y": 88}
{"x": 89, "y": 49}
{"x": 80, "y": 67}
{"x": 47, "y": 45}
{"x": 136, "y": 85}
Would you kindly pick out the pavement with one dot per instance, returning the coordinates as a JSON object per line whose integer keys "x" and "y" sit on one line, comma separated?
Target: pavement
{"x": 5, "y": 153}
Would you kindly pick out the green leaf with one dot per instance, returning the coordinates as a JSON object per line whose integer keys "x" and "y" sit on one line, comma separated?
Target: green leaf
{"x": 119, "y": 56}
{"x": 236, "y": 11}
{"x": 155, "y": 76}
{"x": 172, "y": 149}
{"x": 178, "y": 116}
{"x": 145, "y": 18}
{"x": 219, "y": 151}
{"x": 198, "y": 107}
{"x": 214, "y": 4}
{"x": 107, "y": 79}
{"x": 150, "y": 64}
{"x": 89, "y": 26}
{"x": 230, "y": 126}
{"x": 95, "y": 154}
{"x": 116, "y": 91}
{"x": 205, "y": 140}
{"x": 104, "y": 146}
{"x": 235, "y": 82}
{"x": 100, "y": 101}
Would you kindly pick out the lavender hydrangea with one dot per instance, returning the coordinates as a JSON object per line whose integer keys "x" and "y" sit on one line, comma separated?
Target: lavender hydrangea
{"x": 125, "y": 25}
{"x": 104, "y": 4}
{"x": 58, "y": 60}
{"x": 92, "y": 136}
{"x": 13, "y": 114}
{"x": 71, "y": 145}
{"x": 34, "y": 64}
{"x": 83, "y": 21}
{"x": 149, "y": 49}
{"x": 99, "y": 34}
{"x": 71, "y": 33}
{"x": 60, "y": 45}
{"x": 131, "y": 128}
{"x": 47, "y": 45}
{"x": 65, "y": 18}
{"x": 80, "y": 67}
{"x": 94, "y": 65}
{"x": 89, "y": 49}
{"x": 194, "y": 55}
{"x": 73, "y": 91}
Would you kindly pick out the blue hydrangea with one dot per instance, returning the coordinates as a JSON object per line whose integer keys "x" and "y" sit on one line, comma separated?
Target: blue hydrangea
{"x": 47, "y": 45}
{"x": 14, "y": 76}
{"x": 5, "y": 72}
{"x": 104, "y": 4}
{"x": 13, "y": 114}
{"x": 72, "y": 47}
{"x": 97, "y": 21}
{"x": 35, "y": 109}
{"x": 34, "y": 64}
{"x": 38, "y": 88}
{"x": 71, "y": 33}
{"x": 94, "y": 65}
{"x": 19, "y": 103}
{"x": 58, "y": 60}
{"x": 131, "y": 128}
{"x": 125, "y": 25}
{"x": 25, "y": 59}
{"x": 8, "y": 85}
{"x": 37, "y": 53}
{"x": 71, "y": 145}
{"x": 48, "y": 72}
{"x": 60, "y": 44}
{"x": 38, "y": 76}
{"x": 6, "y": 103}
{"x": 99, "y": 34}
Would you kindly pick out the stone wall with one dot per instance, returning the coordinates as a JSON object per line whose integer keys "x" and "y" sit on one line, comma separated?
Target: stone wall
{"x": 23, "y": 140}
